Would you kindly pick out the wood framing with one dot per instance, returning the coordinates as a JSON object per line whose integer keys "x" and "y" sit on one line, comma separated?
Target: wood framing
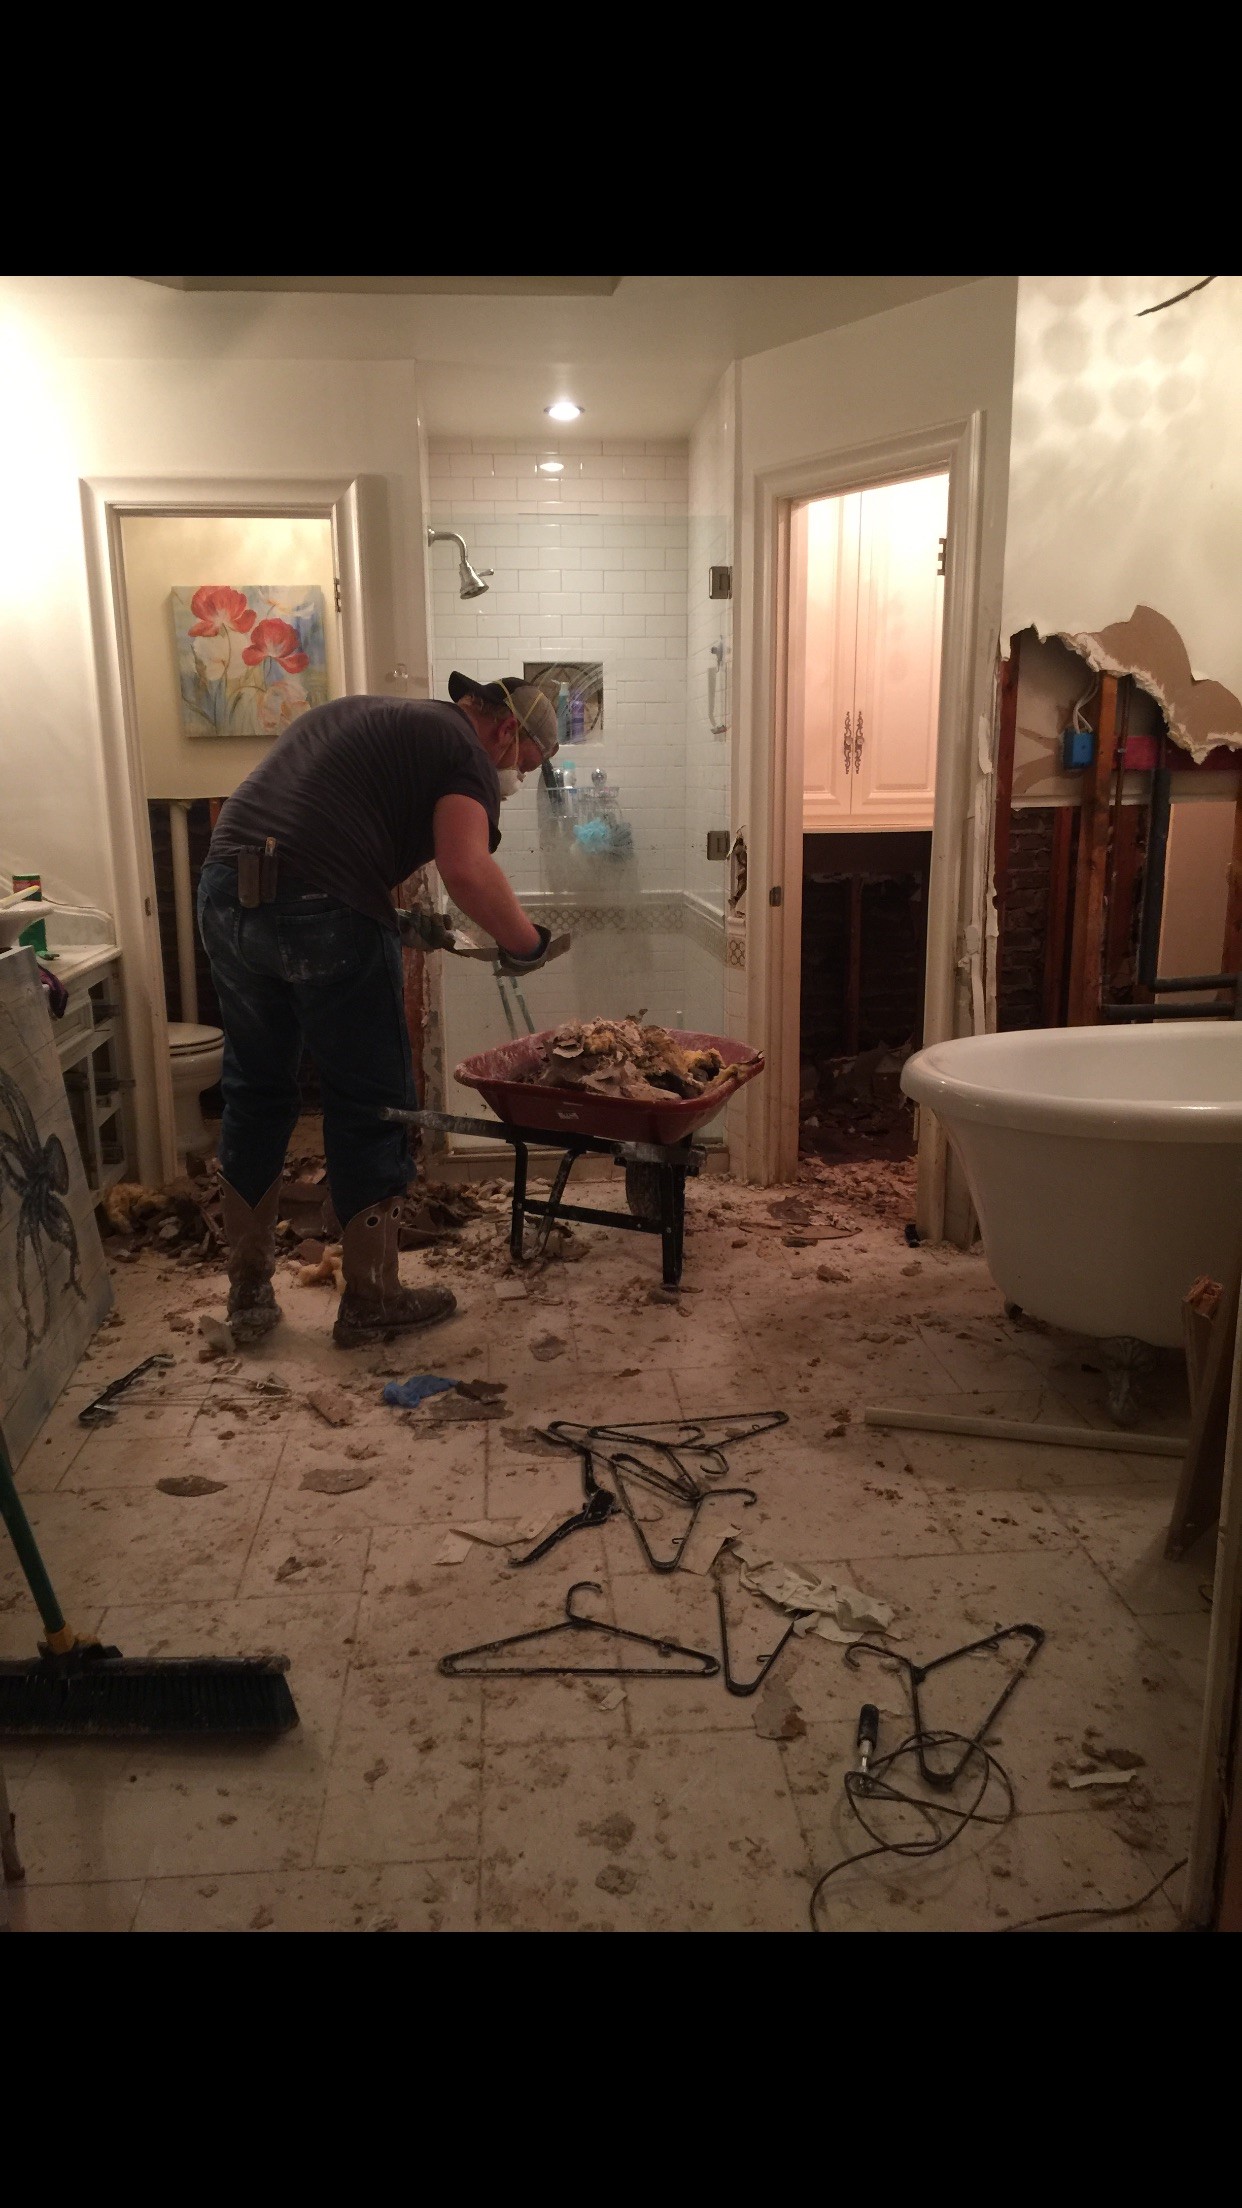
{"x": 1006, "y": 739}
{"x": 1060, "y": 878}
{"x": 1231, "y": 953}
{"x": 1087, "y": 956}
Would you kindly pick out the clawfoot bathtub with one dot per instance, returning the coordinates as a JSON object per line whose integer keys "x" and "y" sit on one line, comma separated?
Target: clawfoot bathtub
{"x": 1105, "y": 1164}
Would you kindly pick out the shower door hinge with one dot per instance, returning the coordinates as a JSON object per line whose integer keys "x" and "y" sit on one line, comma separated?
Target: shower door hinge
{"x": 941, "y": 555}
{"x": 776, "y": 896}
{"x": 720, "y": 582}
{"x": 336, "y": 585}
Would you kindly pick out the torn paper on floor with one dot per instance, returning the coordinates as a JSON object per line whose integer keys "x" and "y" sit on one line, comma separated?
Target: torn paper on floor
{"x": 453, "y": 1549}
{"x": 503, "y": 1533}
{"x": 1100, "y": 1778}
{"x": 833, "y": 1612}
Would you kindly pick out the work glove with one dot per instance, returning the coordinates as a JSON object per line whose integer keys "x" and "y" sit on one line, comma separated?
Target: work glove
{"x": 550, "y": 946}
{"x": 425, "y": 931}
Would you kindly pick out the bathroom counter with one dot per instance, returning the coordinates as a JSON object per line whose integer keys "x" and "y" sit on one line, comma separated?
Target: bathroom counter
{"x": 80, "y": 962}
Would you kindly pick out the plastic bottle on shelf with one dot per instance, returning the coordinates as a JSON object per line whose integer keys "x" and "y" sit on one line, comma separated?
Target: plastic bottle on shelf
{"x": 577, "y": 717}
{"x": 562, "y": 714}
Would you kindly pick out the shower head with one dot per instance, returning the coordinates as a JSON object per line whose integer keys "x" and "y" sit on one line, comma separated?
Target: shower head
{"x": 472, "y": 583}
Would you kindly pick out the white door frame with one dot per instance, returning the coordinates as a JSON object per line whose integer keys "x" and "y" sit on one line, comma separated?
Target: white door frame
{"x": 773, "y": 960}
{"x": 355, "y": 506}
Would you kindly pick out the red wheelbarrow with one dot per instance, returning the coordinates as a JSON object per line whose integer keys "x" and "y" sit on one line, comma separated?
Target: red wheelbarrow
{"x": 652, "y": 1141}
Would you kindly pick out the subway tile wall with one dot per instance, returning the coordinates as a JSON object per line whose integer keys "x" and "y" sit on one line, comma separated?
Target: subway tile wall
{"x": 589, "y": 564}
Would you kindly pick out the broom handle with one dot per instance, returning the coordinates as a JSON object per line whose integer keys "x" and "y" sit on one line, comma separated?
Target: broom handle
{"x": 59, "y": 1635}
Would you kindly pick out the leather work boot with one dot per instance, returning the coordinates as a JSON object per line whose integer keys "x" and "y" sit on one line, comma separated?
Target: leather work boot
{"x": 251, "y": 1231}
{"x": 374, "y": 1302}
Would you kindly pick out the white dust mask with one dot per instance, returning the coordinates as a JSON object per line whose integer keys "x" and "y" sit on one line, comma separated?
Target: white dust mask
{"x": 510, "y": 781}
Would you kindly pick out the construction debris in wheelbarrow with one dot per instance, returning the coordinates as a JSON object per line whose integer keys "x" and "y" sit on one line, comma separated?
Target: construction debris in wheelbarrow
{"x": 622, "y": 1058}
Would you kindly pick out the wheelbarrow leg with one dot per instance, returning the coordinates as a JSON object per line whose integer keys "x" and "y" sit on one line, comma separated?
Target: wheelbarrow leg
{"x": 517, "y": 1227}
{"x": 672, "y": 1221}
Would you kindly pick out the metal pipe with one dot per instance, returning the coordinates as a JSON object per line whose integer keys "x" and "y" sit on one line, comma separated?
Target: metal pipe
{"x": 1032, "y": 1430}
{"x": 183, "y": 906}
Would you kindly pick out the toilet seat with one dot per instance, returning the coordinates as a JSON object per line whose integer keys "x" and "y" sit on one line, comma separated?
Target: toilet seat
{"x": 185, "y": 1039}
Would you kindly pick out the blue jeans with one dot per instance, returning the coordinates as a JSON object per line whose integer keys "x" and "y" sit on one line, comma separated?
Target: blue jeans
{"x": 307, "y": 970}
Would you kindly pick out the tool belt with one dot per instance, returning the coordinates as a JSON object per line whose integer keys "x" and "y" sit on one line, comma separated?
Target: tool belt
{"x": 256, "y": 875}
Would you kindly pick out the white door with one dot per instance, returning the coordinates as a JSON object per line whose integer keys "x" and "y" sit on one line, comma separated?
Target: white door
{"x": 897, "y": 678}
{"x": 823, "y": 637}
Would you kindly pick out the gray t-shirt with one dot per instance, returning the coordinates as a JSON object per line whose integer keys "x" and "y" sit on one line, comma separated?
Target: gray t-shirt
{"x": 349, "y": 792}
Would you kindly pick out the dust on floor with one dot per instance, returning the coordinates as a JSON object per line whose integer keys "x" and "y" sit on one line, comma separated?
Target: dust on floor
{"x": 407, "y": 1800}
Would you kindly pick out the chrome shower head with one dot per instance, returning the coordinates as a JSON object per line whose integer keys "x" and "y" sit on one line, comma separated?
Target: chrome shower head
{"x": 472, "y": 583}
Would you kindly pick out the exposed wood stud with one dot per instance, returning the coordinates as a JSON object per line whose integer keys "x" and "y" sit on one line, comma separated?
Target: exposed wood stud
{"x": 1087, "y": 957}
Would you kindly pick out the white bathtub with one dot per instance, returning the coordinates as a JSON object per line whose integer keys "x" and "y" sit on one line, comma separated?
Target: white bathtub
{"x": 1105, "y": 1164}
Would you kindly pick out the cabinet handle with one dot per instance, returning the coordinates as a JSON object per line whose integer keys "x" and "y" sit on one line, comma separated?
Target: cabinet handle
{"x": 849, "y": 745}
{"x": 858, "y": 742}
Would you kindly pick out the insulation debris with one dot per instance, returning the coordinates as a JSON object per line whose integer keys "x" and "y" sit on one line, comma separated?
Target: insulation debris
{"x": 333, "y": 1405}
{"x": 833, "y": 1613}
{"x": 622, "y": 1058}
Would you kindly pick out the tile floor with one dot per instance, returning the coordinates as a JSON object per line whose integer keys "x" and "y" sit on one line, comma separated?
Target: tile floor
{"x": 410, "y": 1801}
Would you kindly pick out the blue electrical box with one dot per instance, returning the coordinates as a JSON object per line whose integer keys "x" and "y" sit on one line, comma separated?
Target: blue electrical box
{"x": 1078, "y": 747}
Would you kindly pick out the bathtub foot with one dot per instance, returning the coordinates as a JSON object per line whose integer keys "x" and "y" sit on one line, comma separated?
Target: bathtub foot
{"x": 1124, "y": 1359}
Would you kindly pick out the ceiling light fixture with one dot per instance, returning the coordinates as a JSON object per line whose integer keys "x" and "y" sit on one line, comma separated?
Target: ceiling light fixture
{"x": 551, "y": 467}
{"x": 563, "y": 411}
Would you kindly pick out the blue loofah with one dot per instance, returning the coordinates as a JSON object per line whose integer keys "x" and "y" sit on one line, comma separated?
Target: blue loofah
{"x": 406, "y": 1395}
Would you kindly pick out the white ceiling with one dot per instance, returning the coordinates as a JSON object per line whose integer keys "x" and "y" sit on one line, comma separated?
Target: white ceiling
{"x": 641, "y": 358}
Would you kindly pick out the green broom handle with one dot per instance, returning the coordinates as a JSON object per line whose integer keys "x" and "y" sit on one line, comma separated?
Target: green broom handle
{"x": 28, "y": 1555}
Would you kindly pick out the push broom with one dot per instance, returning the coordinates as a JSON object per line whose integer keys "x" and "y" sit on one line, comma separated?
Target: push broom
{"x": 79, "y": 1689}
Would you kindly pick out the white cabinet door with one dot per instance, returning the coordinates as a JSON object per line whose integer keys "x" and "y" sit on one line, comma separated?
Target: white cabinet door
{"x": 897, "y": 678}
{"x": 823, "y": 630}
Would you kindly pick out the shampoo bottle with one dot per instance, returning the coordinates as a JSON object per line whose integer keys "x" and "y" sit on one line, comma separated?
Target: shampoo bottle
{"x": 562, "y": 714}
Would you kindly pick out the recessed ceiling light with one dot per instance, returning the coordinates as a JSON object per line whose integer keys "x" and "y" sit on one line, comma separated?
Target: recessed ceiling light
{"x": 551, "y": 467}
{"x": 563, "y": 411}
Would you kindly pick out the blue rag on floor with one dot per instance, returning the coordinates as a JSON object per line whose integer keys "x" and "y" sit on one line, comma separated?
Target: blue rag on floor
{"x": 408, "y": 1394}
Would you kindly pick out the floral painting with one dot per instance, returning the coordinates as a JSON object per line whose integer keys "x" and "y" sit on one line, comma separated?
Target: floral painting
{"x": 250, "y": 657}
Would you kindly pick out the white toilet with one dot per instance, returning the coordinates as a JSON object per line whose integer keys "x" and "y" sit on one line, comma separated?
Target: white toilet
{"x": 197, "y": 1056}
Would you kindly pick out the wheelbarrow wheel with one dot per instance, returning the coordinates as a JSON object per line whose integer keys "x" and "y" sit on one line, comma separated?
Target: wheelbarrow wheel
{"x": 642, "y": 1190}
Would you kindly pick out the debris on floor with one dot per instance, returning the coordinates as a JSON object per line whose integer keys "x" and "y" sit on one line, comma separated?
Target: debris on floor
{"x": 332, "y": 1404}
{"x": 217, "y": 1337}
{"x": 725, "y": 1815}
{"x": 324, "y": 1271}
{"x": 335, "y": 1483}
{"x": 832, "y": 1612}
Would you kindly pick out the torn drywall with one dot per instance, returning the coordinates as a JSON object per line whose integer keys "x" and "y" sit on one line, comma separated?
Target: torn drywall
{"x": 1200, "y": 713}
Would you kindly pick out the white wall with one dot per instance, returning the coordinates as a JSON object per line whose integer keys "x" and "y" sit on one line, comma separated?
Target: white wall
{"x": 1125, "y": 481}
{"x": 164, "y": 551}
{"x": 65, "y": 415}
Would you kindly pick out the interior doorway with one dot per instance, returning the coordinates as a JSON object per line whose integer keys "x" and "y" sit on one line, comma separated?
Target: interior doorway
{"x": 866, "y": 621}
{"x": 233, "y": 630}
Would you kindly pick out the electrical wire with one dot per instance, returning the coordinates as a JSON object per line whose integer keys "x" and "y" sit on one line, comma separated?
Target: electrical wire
{"x": 1125, "y": 1909}
{"x": 1189, "y": 293}
{"x": 871, "y": 1786}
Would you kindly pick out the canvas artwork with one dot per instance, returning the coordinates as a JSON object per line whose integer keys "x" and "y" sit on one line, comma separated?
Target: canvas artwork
{"x": 575, "y": 688}
{"x": 54, "y": 1285}
{"x": 250, "y": 657}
